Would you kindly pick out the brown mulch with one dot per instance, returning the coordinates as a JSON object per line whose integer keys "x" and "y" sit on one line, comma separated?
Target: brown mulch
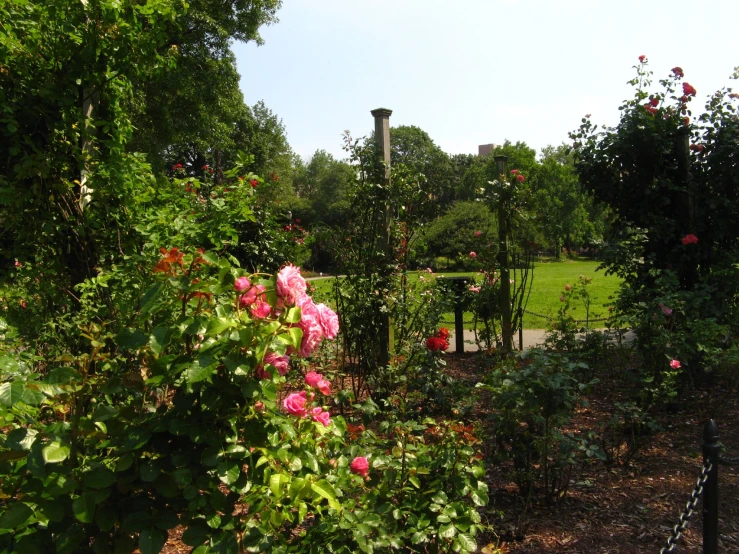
{"x": 619, "y": 509}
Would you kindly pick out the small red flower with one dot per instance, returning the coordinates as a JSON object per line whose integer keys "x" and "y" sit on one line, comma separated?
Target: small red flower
{"x": 654, "y": 102}
{"x": 683, "y": 98}
{"x": 253, "y": 183}
{"x": 642, "y": 58}
{"x": 514, "y": 171}
{"x": 688, "y": 89}
{"x": 205, "y": 166}
{"x": 678, "y": 72}
{"x": 689, "y": 239}
{"x": 520, "y": 178}
{"x": 651, "y": 110}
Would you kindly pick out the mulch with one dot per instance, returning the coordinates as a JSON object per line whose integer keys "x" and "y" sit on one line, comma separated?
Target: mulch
{"x": 621, "y": 510}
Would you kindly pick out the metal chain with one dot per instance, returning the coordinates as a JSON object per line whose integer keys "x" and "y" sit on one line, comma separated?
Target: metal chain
{"x": 576, "y": 321}
{"x": 728, "y": 461}
{"x": 682, "y": 522}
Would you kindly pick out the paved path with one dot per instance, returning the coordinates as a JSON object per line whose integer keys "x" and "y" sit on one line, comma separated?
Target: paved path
{"x": 531, "y": 338}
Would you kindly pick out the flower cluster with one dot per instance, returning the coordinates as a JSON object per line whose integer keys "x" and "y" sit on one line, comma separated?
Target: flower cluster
{"x": 689, "y": 239}
{"x": 317, "y": 321}
{"x": 439, "y": 341}
{"x": 299, "y": 403}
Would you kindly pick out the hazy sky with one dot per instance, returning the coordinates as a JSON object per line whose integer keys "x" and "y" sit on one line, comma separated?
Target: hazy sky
{"x": 472, "y": 72}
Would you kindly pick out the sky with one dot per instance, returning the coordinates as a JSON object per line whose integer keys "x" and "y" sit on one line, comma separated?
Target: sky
{"x": 475, "y": 72}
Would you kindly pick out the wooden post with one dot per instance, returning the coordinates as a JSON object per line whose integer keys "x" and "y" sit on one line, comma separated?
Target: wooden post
{"x": 382, "y": 143}
{"x": 504, "y": 259}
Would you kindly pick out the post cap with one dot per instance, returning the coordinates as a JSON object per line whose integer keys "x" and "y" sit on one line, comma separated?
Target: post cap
{"x": 382, "y": 112}
{"x": 710, "y": 431}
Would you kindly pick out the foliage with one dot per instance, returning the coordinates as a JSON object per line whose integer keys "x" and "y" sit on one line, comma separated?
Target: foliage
{"x": 672, "y": 183}
{"x": 534, "y": 399}
{"x": 421, "y": 495}
{"x": 455, "y": 234}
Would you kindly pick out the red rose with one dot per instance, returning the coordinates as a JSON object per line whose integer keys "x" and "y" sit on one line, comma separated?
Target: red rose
{"x": 520, "y": 178}
{"x": 654, "y": 102}
{"x": 642, "y": 58}
{"x": 689, "y": 90}
{"x": 678, "y": 72}
{"x": 253, "y": 183}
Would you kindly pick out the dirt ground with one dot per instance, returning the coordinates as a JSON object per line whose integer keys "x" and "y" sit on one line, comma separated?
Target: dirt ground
{"x": 614, "y": 509}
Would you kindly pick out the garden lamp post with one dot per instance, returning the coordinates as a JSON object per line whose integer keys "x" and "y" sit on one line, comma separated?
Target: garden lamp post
{"x": 503, "y": 257}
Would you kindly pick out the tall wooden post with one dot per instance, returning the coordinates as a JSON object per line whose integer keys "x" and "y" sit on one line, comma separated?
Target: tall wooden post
{"x": 504, "y": 258}
{"x": 382, "y": 143}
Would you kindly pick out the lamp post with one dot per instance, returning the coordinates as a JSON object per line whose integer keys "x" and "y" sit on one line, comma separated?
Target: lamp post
{"x": 504, "y": 257}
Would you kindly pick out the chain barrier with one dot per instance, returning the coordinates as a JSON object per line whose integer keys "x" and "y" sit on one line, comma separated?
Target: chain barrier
{"x": 682, "y": 522}
{"x": 576, "y": 321}
{"x": 723, "y": 460}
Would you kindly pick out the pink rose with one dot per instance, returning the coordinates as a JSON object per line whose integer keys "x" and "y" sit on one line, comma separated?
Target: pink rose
{"x": 675, "y": 364}
{"x": 478, "y": 233}
{"x": 290, "y": 284}
{"x": 261, "y": 309}
{"x": 251, "y": 296}
{"x": 689, "y": 239}
{"x": 317, "y": 414}
{"x": 312, "y": 378}
{"x": 241, "y": 284}
{"x": 473, "y": 288}
{"x": 360, "y": 466}
{"x": 294, "y": 403}
{"x": 310, "y": 325}
{"x": 324, "y": 386}
{"x": 473, "y": 255}
{"x": 520, "y": 178}
{"x": 280, "y": 363}
{"x": 329, "y": 321}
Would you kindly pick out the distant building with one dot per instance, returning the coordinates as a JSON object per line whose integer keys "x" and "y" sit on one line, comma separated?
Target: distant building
{"x": 485, "y": 149}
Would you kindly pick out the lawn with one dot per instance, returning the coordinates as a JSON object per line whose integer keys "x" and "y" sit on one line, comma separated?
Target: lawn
{"x": 550, "y": 278}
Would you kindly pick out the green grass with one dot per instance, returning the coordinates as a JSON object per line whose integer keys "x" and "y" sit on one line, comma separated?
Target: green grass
{"x": 548, "y": 285}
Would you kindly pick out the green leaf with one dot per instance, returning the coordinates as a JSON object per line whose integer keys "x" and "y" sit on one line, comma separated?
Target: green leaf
{"x": 293, "y": 315}
{"x": 447, "y": 531}
{"x": 16, "y": 516}
{"x": 480, "y": 498}
{"x": 465, "y": 543}
{"x": 201, "y": 369}
{"x": 159, "y": 339}
{"x": 11, "y": 393}
{"x": 326, "y": 490}
{"x": 276, "y": 482}
{"x": 99, "y": 478}
{"x": 152, "y": 540}
{"x": 228, "y": 472}
{"x": 83, "y": 507}
{"x": 55, "y": 452}
{"x": 21, "y": 439}
{"x": 149, "y": 298}
{"x": 195, "y": 535}
{"x": 130, "y": 338}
